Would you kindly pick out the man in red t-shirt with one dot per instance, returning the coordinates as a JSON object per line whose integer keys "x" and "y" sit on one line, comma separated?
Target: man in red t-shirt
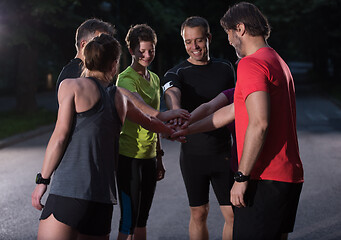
{"x": 270, "y": 174}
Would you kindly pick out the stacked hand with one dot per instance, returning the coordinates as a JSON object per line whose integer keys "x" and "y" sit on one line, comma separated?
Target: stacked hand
{"x": 171, "y": 115}
{"x": 180, "y": 133}
{"x": 179, "y": 125}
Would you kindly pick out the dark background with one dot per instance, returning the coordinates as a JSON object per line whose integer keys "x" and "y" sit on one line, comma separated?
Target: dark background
{"x": 37, "y": 37}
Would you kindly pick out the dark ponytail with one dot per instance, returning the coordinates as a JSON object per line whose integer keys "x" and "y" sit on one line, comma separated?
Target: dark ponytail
{"x": 101, "y": 52}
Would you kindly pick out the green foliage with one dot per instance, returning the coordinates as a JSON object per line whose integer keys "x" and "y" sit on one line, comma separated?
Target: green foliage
{"x": 26, "y": 22}
{"x": 12, "y": 123}
{"x": 307, "y": 31}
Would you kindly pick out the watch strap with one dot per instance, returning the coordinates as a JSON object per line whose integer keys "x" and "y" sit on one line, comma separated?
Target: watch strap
{"x": 41, "y": 180}
{"x": 240, "y": 177}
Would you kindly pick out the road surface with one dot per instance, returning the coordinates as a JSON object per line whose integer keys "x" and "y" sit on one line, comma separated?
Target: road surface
{"x": 319, "y": 213}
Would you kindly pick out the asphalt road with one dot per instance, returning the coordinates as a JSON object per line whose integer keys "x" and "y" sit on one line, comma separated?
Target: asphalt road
{"x": 319, "y": 213}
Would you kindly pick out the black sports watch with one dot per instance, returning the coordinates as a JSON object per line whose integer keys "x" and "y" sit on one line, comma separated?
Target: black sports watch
{"x": 160, "y": 153}
{"x": 240, "y": 177}
{"x": 41, "y": 180}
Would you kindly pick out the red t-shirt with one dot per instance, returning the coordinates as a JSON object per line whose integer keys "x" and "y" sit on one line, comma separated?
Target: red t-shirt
{"x": 266, "y": 71}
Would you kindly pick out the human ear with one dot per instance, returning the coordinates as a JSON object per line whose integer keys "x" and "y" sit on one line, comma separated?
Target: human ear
{"x": 240, "y": 29}
{"x": 209, "y": 37}
{"x": 83, "y": 43}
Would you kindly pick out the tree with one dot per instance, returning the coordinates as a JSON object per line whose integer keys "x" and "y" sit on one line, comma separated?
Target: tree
{"x": 39, "y": 34}
{"x": 164, "y": 16}
{"x": 307, "y": 31}
{"x": 26, "y": 26}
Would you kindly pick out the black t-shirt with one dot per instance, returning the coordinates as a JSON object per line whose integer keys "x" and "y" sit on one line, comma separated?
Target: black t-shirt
{"x": 199, "y": 84}
{"x": 72, "y": 70}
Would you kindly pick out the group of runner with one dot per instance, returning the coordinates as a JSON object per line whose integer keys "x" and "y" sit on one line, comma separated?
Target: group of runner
{"x": 106, "y": 134}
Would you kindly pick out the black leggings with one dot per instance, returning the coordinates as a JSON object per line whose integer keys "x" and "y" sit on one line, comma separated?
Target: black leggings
{"x": 136, "y": 182}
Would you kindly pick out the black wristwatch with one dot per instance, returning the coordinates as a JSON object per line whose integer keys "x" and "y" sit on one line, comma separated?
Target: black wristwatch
{"x": 160, "y": 153}
{"x": 240, "y": 177}
{"x": 41, "y": 180}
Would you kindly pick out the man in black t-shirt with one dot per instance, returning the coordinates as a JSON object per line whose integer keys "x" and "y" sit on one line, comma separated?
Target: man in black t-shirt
{"x": 204, "y": 158}
{"x": 85, "y": 32}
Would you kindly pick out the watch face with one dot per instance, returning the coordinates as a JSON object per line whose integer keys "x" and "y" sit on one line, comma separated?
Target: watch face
{"x": 240, "y": 177}
{"x": 38, "y": 178}
{"x": 237, "y": 175}
{"x": 41, "y": 180}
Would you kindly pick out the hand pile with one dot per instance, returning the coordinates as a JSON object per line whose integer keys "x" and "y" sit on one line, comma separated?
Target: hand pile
{"x": 180, "y": 126}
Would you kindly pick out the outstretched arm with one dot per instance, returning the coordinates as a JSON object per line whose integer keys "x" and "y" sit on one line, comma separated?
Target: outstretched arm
{"x": 214, "y": 121}
{"x": 127, "y": 109}
{"x": 208, "y": 108}
{"x": 163, "y": 116}
{"x": 138, "y": 102}
{"x": 173, "y": 98}
{"x": 173, "y": 101}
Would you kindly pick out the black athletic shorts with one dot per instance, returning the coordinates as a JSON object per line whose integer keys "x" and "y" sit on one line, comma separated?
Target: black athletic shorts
{"x": 199, "y": 171}
{"x": 270, "y": 212}
{"x": 87, "y": 217}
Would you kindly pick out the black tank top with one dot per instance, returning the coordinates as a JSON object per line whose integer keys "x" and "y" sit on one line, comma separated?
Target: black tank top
{"x": 87, "y": 168}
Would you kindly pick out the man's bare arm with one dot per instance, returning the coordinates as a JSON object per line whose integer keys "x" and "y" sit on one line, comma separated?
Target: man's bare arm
{"x": 207, "y": 108}
{"x": 258, "y": 109}
{"x": 173, "y": 98}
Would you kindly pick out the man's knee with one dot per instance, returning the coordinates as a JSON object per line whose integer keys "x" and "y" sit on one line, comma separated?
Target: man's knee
{"x": 199, "y": 214}
{"x": 227, "y": 212}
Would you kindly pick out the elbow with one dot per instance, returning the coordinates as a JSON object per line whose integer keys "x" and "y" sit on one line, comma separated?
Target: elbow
{"x": 260, "y": 126}
{"x": 263, "y": 127}
{"x": 61, "y": 142}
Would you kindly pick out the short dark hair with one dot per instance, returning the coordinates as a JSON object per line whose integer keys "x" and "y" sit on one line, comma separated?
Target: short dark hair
{"x": 138, "y": 33}
{"x": 89, "y": 27}
{"x": 256, "y": 24}
{"x": 196, "y": 21}
{"x": 101, "y": 52}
